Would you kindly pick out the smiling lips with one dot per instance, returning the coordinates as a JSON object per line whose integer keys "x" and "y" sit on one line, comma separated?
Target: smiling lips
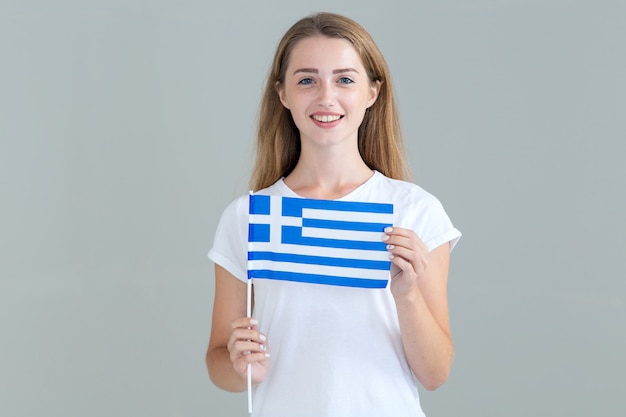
{"x": 326, "y": 118}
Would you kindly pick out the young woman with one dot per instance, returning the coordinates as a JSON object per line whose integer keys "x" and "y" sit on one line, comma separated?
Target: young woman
{"x": 328, "y": 129}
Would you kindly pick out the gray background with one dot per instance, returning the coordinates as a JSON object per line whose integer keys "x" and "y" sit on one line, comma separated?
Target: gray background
{"x": 125, "y": 129}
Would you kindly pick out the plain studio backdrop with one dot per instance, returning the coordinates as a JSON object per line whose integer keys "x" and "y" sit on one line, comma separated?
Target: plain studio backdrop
{"x": 126, "y": 128}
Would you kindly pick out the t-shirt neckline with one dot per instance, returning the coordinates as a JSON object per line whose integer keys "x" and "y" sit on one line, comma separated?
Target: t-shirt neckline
{"x": 350, "y": 196}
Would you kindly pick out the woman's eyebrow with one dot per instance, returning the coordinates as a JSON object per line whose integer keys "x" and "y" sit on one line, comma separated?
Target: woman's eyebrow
{"x": 342, "y": 70}
{"x": 309, "y": 70}
{"x": 316, "y": 71}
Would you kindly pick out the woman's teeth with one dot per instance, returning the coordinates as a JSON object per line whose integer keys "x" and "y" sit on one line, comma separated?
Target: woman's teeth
{"x": 326, "y": 118}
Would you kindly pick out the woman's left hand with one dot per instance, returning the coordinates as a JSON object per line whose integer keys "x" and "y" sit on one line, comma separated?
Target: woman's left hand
{"x": 408, "y": 259}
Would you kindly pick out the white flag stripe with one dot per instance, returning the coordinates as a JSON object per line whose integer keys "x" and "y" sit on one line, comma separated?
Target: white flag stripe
{"x": 370, "y": 255}
{"x": 342, "y": 234}
{"x": 319, "y": 269}
{"x": 276, "y": 219}
{"x": 267, "y": 219}
{"x": 346, "y": 216}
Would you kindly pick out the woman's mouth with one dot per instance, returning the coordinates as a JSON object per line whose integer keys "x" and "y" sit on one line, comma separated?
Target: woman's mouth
{"x": 325, "y": 118}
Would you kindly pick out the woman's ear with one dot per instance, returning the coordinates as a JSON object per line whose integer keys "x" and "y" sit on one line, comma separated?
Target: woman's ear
{"x": 281, "y": 94}
{"x": 374, "y": 90}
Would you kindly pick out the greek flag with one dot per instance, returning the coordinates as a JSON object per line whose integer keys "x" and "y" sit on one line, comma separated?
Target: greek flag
{"x": 318, "y": 241}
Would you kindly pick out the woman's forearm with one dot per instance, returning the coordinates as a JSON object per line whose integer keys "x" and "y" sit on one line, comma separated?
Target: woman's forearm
{"x": 428, "y": 348}
{"x": 221, "y": 370}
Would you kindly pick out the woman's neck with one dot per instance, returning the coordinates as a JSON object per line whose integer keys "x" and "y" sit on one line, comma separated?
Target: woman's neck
{"x": 328, "y": 176}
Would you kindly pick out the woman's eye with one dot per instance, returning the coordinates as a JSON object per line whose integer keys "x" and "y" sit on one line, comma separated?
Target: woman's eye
{"x": 345, "y": 80}
{"x": 306, "y": 81}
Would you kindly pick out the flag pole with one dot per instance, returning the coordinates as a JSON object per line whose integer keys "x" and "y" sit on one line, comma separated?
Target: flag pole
{"x": 249, "y": 315}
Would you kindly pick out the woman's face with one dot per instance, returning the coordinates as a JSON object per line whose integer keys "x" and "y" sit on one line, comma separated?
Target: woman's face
{"x": 327, "y": 90}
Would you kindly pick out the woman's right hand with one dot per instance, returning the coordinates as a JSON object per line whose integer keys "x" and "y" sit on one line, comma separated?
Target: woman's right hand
{"x": 248, "y": 346}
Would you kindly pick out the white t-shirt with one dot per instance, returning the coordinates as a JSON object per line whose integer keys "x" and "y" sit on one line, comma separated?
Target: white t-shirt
{"x": 336, "y": 351}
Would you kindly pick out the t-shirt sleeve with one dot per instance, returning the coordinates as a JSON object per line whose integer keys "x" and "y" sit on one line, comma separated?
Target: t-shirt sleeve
{"x": 230, "y": 244}
{"x": 432, "y": 224}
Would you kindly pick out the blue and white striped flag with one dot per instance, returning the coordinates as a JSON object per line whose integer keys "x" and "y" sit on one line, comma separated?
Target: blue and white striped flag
{"x": 318, "y": 241}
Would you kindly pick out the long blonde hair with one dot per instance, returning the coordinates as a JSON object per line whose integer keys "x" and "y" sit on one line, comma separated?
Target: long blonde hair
{"x": 278, "y": 138}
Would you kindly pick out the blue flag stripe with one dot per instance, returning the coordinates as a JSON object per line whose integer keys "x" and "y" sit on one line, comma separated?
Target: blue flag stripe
{"x": 318, "y": 279}
{"x": 319, "y": 260}
{"x": 341, "y": 225}
{"x": 259, "y": 204}
{"x": 258, "y": 232}
{"x": 293, "y": 235}
{"x": 293, "y": 206}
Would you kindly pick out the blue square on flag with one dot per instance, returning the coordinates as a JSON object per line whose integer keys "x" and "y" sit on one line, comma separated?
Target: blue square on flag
{"x": 318, "y": 241}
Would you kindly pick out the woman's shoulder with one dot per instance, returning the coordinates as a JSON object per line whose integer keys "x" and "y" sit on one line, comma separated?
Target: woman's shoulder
{"x": 240, "y": 203}
{"x": 278, "y": 188}
{"x": 419, "y": 210}
{"x": 402, "y": 190}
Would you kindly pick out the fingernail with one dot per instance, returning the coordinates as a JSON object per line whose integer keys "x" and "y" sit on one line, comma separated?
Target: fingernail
{"x": 385, "y": 238}
{"x": 391, "y": 256}
{"x": 390, "y": 247}
{"x": 262, "y": 337}
{"x": 267, "y": 355}
{"x": 388, "y": 229}
{"x": 263, "y": 348}
{"x": 254, "y": 321}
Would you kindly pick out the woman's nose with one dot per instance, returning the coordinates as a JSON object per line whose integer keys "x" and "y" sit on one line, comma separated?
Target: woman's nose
{"x": 326, "y": 96}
